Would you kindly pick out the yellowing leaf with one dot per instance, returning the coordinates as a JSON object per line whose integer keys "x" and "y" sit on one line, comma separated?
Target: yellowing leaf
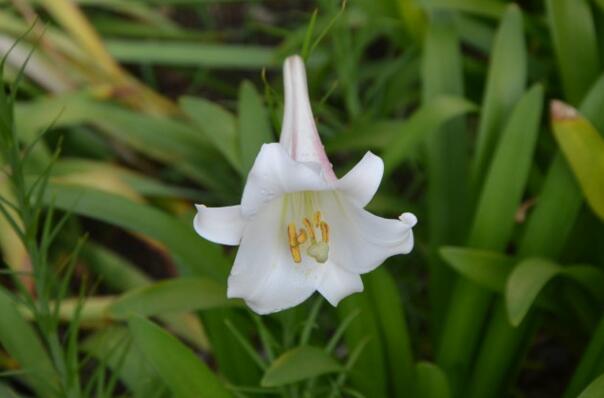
{"x": 583, "y": 148}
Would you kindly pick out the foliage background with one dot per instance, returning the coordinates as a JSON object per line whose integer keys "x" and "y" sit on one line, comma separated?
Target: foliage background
{"x": 127, "y": 112}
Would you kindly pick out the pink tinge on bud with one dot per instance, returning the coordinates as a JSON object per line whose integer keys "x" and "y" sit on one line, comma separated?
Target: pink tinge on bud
{"x": 561, "y": 111}
{"x": 299, "y": 134}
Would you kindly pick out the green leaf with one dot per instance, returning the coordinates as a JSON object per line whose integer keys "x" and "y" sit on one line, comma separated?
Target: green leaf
{"x": 583, "y": 148}
{"x": 431, "y": 381}
{"x": 6, "y": 391}
{"x": 475, "y": 33}
{"x": 595, "y": 389}
{"x": 184, "y": 147}
{"x": 486, "y": 8}
{"x": 447, "y": 155}
{"x": 192, "y": 54}
{"x": 369, "y": 371}
{"x": 390, "y": 314}
{"x": 113, "y": 347}
{"x": 185, "y": 373}
{"x": 560, "y": 199}
{"x": 508, "y": 174}
{"x": 140, "y": 183}
{"x": 571, "y": 22}
{"x": 298, "y": 364}
{"x": 524, "y": 284}
{"x": 505, "y": 83}
{"x": 529, "y": 277}
{"x": 20, "y": 340}
{"x": 492, "y": 228}
{"x": 217, "y": 124}
{"x": 413, "y": 17}
{"x": 590, "y": 365}
{"x": 486, "y": 268}
{"x": 592, "y": 103}
{"x": 111, "y": 269}
{"x": 254, "y": 125}
{"x": 427, "y": 119}
{"x": 590, "y": 277}
{"x": 174, "y": 295}
{"x": 195, "y": 253}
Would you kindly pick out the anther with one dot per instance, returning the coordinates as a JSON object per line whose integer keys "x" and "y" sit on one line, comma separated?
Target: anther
{"x": 301, "y": 237}
{"x": 296, "y": 255}
{"x": 291, "y": 234}
{"x": 317, "y": 219}
{"x": 309, "y": 229}
{"x": 324, "y": 231}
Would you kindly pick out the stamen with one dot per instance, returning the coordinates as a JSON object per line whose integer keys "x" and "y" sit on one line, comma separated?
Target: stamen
{"x": 291, "y": 234}
{"x": 301, "y": 237}
{"x": 296, "y": 255}
{"x": 324, "y": 232}
{"x": 317, "y": 219}
{"x": 309, "y": 229}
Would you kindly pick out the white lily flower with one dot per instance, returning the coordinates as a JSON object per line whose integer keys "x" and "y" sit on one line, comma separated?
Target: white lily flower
{"x": 299, "y": 227}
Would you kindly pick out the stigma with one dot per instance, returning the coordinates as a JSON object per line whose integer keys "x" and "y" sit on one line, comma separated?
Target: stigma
{"x": 311, "y": 227}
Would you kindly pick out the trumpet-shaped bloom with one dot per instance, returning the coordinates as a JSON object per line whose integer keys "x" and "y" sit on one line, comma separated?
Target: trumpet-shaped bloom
{"x": 301, "y": 229}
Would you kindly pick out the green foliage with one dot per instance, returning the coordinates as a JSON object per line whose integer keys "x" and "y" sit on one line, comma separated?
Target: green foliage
{"x": 176, "y": 365}
{"x": 101, "y": 164}
{"x": 171, "y": 296}
{"x": 583, "y": 148}
{"x": 595, "y": 389}
{"x": 301, "y": 363}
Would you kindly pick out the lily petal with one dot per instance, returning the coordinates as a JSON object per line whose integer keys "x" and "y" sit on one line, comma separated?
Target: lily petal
{"x": 299, "y": 134}
{"x": 275, "y": 173}
{"x": 361, "y": 183}
{"x": 362, "y": 241}
{"x": 338, "y": 283}
{"x": 264, "y": 274}
{"x": 222, "y": 225}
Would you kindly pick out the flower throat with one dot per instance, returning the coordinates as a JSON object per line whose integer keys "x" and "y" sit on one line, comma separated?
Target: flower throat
{"x": 319, "y": 250}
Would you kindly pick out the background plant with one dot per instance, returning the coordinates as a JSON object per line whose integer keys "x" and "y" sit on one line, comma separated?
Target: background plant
{"x": 156, "y": 104}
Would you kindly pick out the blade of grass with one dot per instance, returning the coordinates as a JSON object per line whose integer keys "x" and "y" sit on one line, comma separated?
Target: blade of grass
{"x": 22, "y": 343}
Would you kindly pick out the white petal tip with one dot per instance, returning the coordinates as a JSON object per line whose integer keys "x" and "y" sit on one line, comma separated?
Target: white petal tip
{"x": 335, "y": 301}
{"x": 409, "y": 219}
{"x": 200, "y": 207}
